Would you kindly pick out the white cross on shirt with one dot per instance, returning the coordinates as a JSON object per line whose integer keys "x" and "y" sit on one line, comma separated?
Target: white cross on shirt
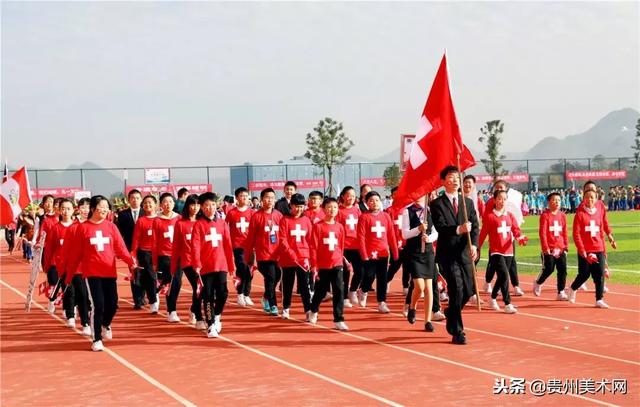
{"x": 99, "y": 241}
{"x": 242, "y": 225}
{"x": 504, "y": 229}
{"x": 214, "y": 237}
{"x": 61, "y": 242}
{"x": 398, "y": 222}
{"x": 188, "y": 236}
{"x": 378, "y": 229}
{"x": 271, "y": 230}
{"x": 331, "y": 241}
{"x": 593, "y": 228}
{"x": 169, "y": 233}
{"x": 374, "y": 255}
{"x": 556, "y": 228}
{"x": 298, "y": 233}
{"x": 352, "y": 221}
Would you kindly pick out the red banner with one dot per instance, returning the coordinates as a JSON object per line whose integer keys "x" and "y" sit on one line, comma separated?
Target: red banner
{"x": 514, "y": 178}
{"x": 374, "y": 182}
{"x": 172, "y": 188}
{"x": 58, "y": 192}
{"x": 603, "y": 174}
{"x": 302, "y": 184}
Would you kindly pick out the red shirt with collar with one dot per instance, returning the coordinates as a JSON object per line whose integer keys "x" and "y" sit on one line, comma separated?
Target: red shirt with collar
{"x": 500, "y": 242}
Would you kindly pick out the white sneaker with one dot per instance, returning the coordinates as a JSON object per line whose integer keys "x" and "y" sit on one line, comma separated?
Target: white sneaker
{"x": 313, "y": 318}
{"x": 405, "y": 291}
{"x": 517, "y": 291}
{"x": 572, "y": 295}
{"x": 241, "y": 301}
{"x": 562, "y": 296}
{"x": 201, "y": 326}
{"x": 217, "y": 323}
{"x": 347, "y": 303}
{"x": 487, "y": 288}
{"x": 51, "y": 308}
{"x": 285, "y": 313}
{"x": 341, "y": 326}
{"x": 438, "y": 316}
{"x": 173, "y": 317}
{"x": 382, "y": 308}
{"x": 601, "y": 304}
{"x": 247, "y": 301}
{"x": 510, "y": 309}
{"x": 107, "y": 333}
{"x": 474, "y": 300}
{"x": 494, "y": 305}
{"x": 584, "y": 287}
{"x": 192, "y": 318}
{"x": 307, "y": 316}
{"x": 86, "y": 330}
{"x": 353, "y": 297}
{"x": 605, "y": 289}
{"x": 211, "y": 332}
{"x": 71, "y": 323}
{"x": 97, "y": 346}
{"x": 154, "y": 307}
{"x": 443, "y": 297}
{"x": 537, "y": 289}
{"x": 405, "y": 310}
{"x": 363, "y": 300}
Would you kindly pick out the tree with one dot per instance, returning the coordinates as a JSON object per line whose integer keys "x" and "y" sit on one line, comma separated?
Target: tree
{"x": 391, "y": 177}
{"x": 636, "y": 147}
{"x": 327, "y": 147}
{"x": 492, "y": 138}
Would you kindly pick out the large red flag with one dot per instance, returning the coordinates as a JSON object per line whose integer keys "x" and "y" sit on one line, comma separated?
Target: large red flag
{"x": 438, "y": 143}
{"x": 15, "y": 196}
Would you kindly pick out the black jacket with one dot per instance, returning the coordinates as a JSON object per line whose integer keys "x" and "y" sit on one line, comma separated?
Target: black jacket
{"x": 452, "y": 246}
{"x": 282, "y": 205}
{"x": 126, "y": 224}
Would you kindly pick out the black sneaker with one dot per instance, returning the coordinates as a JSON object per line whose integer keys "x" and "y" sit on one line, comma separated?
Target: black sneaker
{"x": 459, "y": 339}
{"x": 411, "y": 316}
{"x": 429, "y": 327}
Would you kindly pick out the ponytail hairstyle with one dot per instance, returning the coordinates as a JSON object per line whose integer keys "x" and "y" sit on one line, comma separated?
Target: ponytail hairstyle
{"x": 93, "y": 204}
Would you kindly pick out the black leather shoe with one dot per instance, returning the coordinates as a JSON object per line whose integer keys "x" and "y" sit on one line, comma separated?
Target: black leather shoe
{"x": 411, "y": 316}
{"x": 459, "y": 339}
{"x": 429, "y": 327}
{"x": 137, "y": 306}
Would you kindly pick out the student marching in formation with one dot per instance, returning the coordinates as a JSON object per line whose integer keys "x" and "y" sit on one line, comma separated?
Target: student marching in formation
{"x": 97, "y": 243}
{"x": 501, "y": 227}
{"x": 419, "y": 258}
{"x": 212, "y": 258}
{"x": 55, "y": 237}
{"x": 238, "y": 219}
{"x": 181, "y": 260}
{"x": 377, "y": 241}
{"x": 397, "y": 216}
{"x": 327, "y": 257}
{"x": 141, "y": 248}
{"x": 316, "y": 214}
{"x": 295, "y": 232}
{"x": 46, "y": 223}
{"x": 348, "y": 215}
{"x": 555, "y": 245}
{"x": 589, "y": 227}
{"x": 263, "y": 238}
{"x": 163, "y": 231}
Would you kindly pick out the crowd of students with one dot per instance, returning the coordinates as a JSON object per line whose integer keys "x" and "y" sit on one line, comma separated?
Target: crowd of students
{"x": 336, "y": 249}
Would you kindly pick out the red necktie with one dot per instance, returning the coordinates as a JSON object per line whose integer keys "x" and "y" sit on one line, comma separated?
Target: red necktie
{"x": 455, "y": 206}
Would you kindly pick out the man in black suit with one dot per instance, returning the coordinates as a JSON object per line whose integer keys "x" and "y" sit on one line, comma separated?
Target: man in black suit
{"x": 282, "y": 205}
{"x": 126, "y": 222}
{"x": 456, "y": 263}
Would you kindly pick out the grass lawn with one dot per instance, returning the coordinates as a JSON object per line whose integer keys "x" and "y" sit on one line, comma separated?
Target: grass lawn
{"x": 624, "y": 262}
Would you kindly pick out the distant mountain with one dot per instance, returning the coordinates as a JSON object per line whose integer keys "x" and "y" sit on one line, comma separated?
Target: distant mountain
{"x": 611, "y": 136}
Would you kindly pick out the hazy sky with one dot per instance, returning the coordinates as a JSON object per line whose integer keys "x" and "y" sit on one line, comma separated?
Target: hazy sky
{"x": 143, "y": 84}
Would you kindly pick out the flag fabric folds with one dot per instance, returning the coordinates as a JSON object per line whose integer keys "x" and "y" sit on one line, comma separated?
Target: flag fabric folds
{"x": 15, "y": 196}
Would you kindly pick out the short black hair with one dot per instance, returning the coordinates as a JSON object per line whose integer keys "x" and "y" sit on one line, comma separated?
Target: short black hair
{"x": 152, "y": 197}
{"x": 394, "y": 189}
{"x": 93, "y": 203}
{"x": 498, "y": 192}
{"x": 449, "y": 169}
{"x": 63, "y": 200}
{"x": 469, "y": 176}
{"x": 228, "y": 199}
{"x": 297, "y": 199}
{"x": 290, "y": 184}
{"x": 167, "y": 195}
{"x": 240, "y": 190}
{"x": 551, "y": 195}
{"x": 316, "y": 193}
{"x": 584, "y": 186}
{"x": 371, "y": 194}
{"x": 207, "y": 196}
{"x": 47, "y": 196}
{"x": 191, "y": 199}
{"x": 84, "y": 201}
{"x": 134, "y": 191}
{"x": 328, "y": 200}
{"x": 266, "y": 191}
{"x": 182, "y": 192}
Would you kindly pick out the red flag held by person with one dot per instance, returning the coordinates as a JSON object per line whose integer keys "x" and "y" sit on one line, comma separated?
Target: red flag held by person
{"x": 5, "y": 173}
{"x": 438, "y": 143}
{"x": 15, "y": 196}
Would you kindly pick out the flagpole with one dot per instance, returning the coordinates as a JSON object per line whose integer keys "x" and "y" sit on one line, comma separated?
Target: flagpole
{"x": 473, "y": 263}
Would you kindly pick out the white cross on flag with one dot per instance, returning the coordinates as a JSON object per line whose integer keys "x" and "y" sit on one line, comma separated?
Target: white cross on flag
{"x": 15, "y": 196}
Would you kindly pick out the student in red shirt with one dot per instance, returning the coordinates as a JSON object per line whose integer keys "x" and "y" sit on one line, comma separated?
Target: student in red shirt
{"x": 555, "y": 245}
{"x": 295, "y": 232}
{"x": 348, "y": 215}
{"x": 238, "y": 219}
{"x": 212, "y": 258}
{"x": 97, "y": 244}
{"x": 377, "y": 241}
{"x": 141, "y": 248}
{"x": 315, "y": 212}
{"x": 501, "y": 227}
{"x": 46, "y": 224}
{"x": 163, "y": 231}
{"x": 181, "y": 257}
{"x": 263, "y": 238}
{"x": 56, "y": 236}
{"x": 589, "y": 228}
{"x": 327, "y": 253}
{"x": 394, "y": 265}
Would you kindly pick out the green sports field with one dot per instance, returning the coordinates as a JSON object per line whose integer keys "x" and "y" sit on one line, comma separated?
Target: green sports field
{"x": 624, "y": 263}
